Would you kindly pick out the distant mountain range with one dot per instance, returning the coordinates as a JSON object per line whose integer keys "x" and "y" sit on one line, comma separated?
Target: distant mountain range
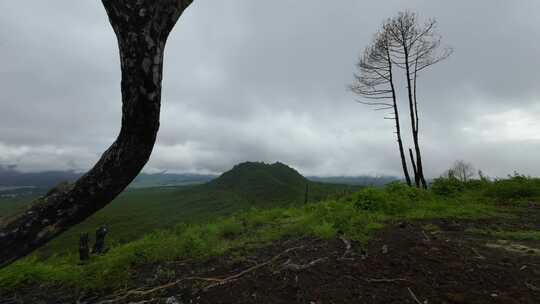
{"x": 10, "y": 178}
{"x": 139, "y": 210}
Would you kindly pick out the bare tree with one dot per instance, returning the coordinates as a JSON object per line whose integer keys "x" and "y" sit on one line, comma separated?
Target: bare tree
{"x": 414, "y": 47}
{"x": 142, "y": 28}
{"x": 461, "y": 170}
{"x": 375, "y": 81}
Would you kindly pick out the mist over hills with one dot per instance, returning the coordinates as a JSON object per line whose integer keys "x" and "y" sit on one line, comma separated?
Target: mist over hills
{"x": 11, "y": 178}
{"x": 247, "y": 185}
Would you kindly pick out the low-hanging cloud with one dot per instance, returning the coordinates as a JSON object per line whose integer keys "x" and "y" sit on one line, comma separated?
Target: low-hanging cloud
{"x": 266, "y": 81}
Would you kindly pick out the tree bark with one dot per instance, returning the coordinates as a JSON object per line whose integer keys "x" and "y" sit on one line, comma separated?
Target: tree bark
{"x": 421, "y": 177}
{"x": 142, "y": 28}
{"x": 398, "y": 126}
{"x": 412, "y": 110}
{"x": 415, "y": 170}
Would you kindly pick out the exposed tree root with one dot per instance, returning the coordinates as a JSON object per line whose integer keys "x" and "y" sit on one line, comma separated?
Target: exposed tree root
{"x": 251, "y": 269}
{"x": 295, "y": 267}
{"x": 415, "y": 298}
{"x": 478, "y": 255}
{"x": 384, "y": 280}
{"x": 532, "y": 287}
{"x": 215, "y": 281}
{"x": 348, "y": 249}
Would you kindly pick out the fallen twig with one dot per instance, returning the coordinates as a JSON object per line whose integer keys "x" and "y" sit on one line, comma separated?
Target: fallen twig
{"x": 426, "y": 236}
{"x": 384, "y": 280}
{"x": 478, "y": 255}
{"x": 217, "y": 281}
{"x": 296, "y": 267}
{"x": 532, "y": 287}
{"x": 348, "y": 249}
{"x": 242, "y": 273}
{"x": 413, "y": 296}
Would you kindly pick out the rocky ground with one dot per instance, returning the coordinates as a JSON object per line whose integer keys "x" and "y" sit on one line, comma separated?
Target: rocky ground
{"x": 439, "y": 261}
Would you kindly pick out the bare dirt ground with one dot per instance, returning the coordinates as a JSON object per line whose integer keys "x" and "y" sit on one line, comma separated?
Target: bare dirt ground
{"x": 437, "y": 261}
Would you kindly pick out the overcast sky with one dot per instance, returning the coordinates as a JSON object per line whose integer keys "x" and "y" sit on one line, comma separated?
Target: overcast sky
{"x": 266, "y": 81}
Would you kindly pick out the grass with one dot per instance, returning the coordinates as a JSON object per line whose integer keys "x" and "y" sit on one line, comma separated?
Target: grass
{"x": 137, "y": 212}
{"x": 357, "y": 216}
{"x": 11, "y": 205}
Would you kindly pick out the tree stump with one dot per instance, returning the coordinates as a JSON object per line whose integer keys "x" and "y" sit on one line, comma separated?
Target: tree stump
{"x": 99, "y": 245}
{"x": 84, "y": 250}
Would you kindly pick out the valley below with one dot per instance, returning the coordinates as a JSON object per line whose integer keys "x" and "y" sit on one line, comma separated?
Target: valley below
{"x": 263, "y": 233}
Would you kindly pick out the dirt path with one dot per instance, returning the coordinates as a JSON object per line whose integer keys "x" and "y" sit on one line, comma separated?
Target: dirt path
{"x": 421, "y": 262}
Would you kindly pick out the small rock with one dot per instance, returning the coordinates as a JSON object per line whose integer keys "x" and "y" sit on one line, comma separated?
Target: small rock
{"x": 384, "y": 249}
{"x": 172, "y": 300}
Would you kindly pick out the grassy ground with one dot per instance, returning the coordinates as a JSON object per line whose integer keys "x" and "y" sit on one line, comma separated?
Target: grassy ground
{"x": 137, "y": 212}
{"x": 356, "y": 216}
{"x": 12, "y": 205}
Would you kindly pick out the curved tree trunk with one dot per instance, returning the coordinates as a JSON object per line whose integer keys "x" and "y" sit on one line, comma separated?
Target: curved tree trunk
{"x": 142, "y": 28}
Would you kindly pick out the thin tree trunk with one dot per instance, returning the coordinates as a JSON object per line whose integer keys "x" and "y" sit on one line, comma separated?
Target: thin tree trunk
{"x": 398, "y": 126}
{"x": 416, "y": 179}
{"x": 419, "y": 167}
{"x": 417, "y": 123}
{"x": 142, "y": 28}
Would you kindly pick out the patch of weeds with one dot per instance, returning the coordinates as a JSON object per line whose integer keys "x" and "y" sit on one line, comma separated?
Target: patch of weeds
{"x": 515, "y": 188}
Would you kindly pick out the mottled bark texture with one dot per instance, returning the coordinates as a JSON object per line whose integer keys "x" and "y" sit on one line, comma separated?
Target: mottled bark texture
{"x": 142, "y": 28}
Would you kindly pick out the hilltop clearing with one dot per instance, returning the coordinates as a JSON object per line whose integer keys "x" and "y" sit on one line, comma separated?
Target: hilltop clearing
{"x": 474, "y": 242}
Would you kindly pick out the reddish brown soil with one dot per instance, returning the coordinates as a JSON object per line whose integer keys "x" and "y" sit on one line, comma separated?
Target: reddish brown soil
{"x": 419, "y": 262}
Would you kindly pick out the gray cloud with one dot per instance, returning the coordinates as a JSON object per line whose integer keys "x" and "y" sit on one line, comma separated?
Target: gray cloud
{"x": 258, "y": 80}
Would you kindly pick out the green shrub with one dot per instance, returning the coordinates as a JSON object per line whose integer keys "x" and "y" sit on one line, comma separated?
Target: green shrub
{"x": 404, "y": 192}
{"x": 516, "y": 187}
{"x": 391, "y": 200}
{"x": 447, "y": 186}
{"x": 370, "y": 199}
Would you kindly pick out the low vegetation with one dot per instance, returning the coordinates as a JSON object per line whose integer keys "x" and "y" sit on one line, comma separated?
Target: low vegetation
{"x": 355, "y": 216}
{"x": 137, "y": 212}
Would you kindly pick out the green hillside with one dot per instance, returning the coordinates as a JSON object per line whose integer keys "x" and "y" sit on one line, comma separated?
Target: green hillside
{"x": 356, "y": 217}
{"x": 248, "y": 185}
